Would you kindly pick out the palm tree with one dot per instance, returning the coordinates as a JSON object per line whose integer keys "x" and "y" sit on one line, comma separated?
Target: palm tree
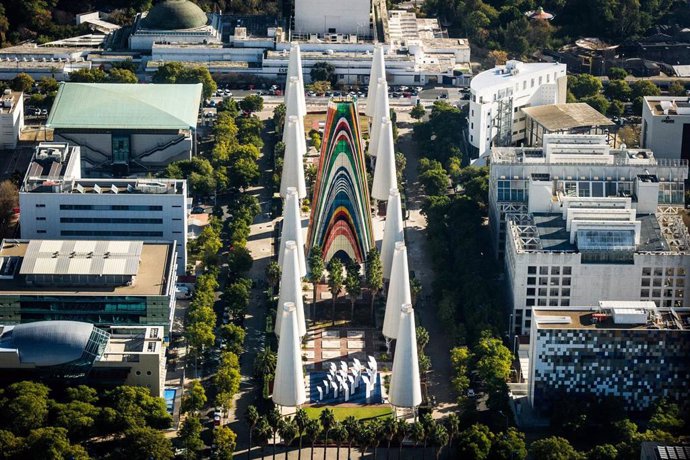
{"x": 353, "y": 285}
{"x": 339, "y": 435}
{"x": 453, "y": 427}
{"x": 375, "y": 427}
{"x": 263, "y": 433}
{"x": 429, "y": 425}
{"x": 265, "y": 363}
{"x": 251, "y": 416}
{"x": 417, "y": 433}
{"x": 316, "y": 268}
{"x": 373, "y": 277}
{"x": 272, "y": 273}
{"x": 273, "y": 418}
{"x": 401, "y": 429}
{"x": 351, "y": 425}
{"x": 364, "y": 438}
{"x": 312, "y": 430}
{"x": 438, "y": 438}
{"x": 388, "y": 429}
{"x": 301, "y": 419}
{"x": 335, "y": 282}
{"x": 327, "y": 418}
{"x": 287, "y": 429}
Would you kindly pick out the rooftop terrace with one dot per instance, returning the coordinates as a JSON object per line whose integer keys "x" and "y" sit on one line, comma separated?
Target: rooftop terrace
{"x": 626, "y": 316}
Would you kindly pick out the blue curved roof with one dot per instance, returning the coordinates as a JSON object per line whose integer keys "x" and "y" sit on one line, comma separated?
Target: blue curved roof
{"x": 53, "y": 343}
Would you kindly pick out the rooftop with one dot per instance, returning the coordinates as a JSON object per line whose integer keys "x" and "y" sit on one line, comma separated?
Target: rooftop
{"x": 504, "y": 75}
{"x": 152, "y": 266}
{"x": 175, "y": 15}
{"x": 126, "y": 341}
{"x": 125, "y": 106}
{"x": 626, "y": 315}
{"x": 561, "y": 117}
{"x": 668, "y": 105}
{"x": 9, "y": 101}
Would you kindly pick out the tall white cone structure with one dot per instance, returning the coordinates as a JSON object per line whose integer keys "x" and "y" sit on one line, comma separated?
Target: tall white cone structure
{"x": 384, "y": 171}
{"x": 398, "y": 291}
{"x": 292, "y": 230}
{"x": 293, "y": 164}
{"x": 378, "y": 70}
{"x": 405, "y": 390}
{"x": 381, "y": 109}
{"x": 288, "y": 387}
{"x": 295, "y": 70}
{"x": 392, "y": 231}
{"x": 291, "y": 289}
{"x": 293, "y": 107}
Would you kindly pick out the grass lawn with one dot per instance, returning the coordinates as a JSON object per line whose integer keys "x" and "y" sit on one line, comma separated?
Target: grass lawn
{"x": 360, "y": 413}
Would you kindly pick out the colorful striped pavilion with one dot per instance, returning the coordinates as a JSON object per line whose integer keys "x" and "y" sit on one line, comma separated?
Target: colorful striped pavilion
{"x": 340, "y": 220}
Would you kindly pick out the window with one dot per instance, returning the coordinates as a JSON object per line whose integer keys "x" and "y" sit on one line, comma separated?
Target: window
{"x": 120, "y": 146}
{"x": 542, "y": 302}
{"x": 528, "y": 323}
{"x": 540, "y": 80}
{"x": 646, "y": 271}
{"x": 40, "y": 218}
{"x": 529, "y": 302}
{"x": 532, "y": 83}
{"x": 553, "y": 302}
{"x": 565, "y": 292}
{"x": 532, "y": 270}
{"x": 40, "y": 231}
{"x": 110, "y": 233}
{"x": 543, "y": 270}
{"x": 567, "y": 270}
{"x": 583, "y": 190}
{"x": 40, "y": 205}
{"x": 553, "y": 292}
{"x": 543, "y": 281}
{"x": 528, "y": 313}
{"x": 530, "y": 291}
{"x": 109, "y": 220}
{"x": 565, "y": 302}
{"x": 555, "y": 270}
{"x": 531, "y": 281}
{"x": 543, "y": 292}
{"x": 566, "y": 282}
{"x": 472, "y": 125}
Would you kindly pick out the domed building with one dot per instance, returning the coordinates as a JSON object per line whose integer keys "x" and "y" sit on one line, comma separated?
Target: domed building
{"x": 175, "y": 22}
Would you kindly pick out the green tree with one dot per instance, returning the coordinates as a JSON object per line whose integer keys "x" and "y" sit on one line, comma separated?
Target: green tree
{"x": 51, "y": 443}
{"x": 598, "y": 103}
{"x": 301, "y": 420}
{"x": 22, "y": 82}
{"x": 94, "y": 75}
{"x": 616, "y": 109}
{"x": 584, "y": 85}
{"x": 240, "y": 261}
{"x": 236, "y": 297}
{"x": 676, "y": 88}
{"x": 190, "y": 436}
{"x": 418, "y": 112}
{"x": 250, "y": 131}
{"x": 353, "y": 285}
{"x": 452, "y": 422}
{"x": 327, "y": 419}
{"x": 229, "y": 106}
{"x": 339, "y": 434}
{"x": 251, "y": 416}
{"x": 389, "y": 428}
{"x": 288, "y": 432}
{"x": 195, "y": 398}
{"x": 279, "y": 114}
{"x": 319, "y": 87}
{"x": 417, "y": 433}
{"x": 373, "y": 276}
{"x": 603, "y": 452}
{"x": 617, "y": 73}
{"x": 263, "y": 433}
{"x": 77, "y": 417}
{"x": 135, "y": 406}
{"x": 351, "y": 425}
{"x": 225, "y": 440}
{"x": 25, "y": 406}
{"x": 252, "y": 103}
{"x": 243, "y": 170}
{"x": 145, "y": 443}
{"x": 474, "y": 442}
{"x": 312, "y": 431}
{"x": 234, "y": 336}
{"x": 265, "y": 364}
{"x": 335, "y": 282}
{"x": 274, "y": 421}
{"x": 438, "y": 438}
{"x": 316, "y": 269}
{"x": 618, "y": 89}
{"x": 48, "y": 85}
{"x": 272, "y": 274}
{"x": 121, "y": 76}
{"x": 493, "y": 360}
{"x": 10, "y": 445}
{"x": 422, "y": 338}
{"x": 553, "y": 448}
{"x": 176, "y": 72}
{"x": 666, "y": 417}
{"x": 435, "y": 181}
{"x": 509, "y": 445}
{"x": 323, "y": 71}
{"x": 641, "y": 88}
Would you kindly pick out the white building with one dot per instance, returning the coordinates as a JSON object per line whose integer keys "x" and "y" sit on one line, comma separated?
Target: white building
{"x": 499, "y": 94}
{"x": 666, "y": 126}
{"x": 57, "y": 203}
{"x": 11, "y": 118}
{"x": 630, "y": 350}
{"x": 332, "y": 17}
{"x": 580, "y": 222}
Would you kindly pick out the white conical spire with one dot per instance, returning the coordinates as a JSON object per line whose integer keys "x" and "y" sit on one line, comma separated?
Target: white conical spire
{"x": 291, "y": 289}
{"x": 384, "y": 171}
{"x": 292, "y": 230}
{"x": 398, "y": 291}
{"x": 293, "y": 164}
{"x": 377, "y": 71}
{"x": 292, "y": 107}
{"x": 295, "y": 70}
{"x": 404, "y": 389}
{"x": 381, "y": 109}
{"x": 392, "y": 231}
{"x": 288, "y": 386}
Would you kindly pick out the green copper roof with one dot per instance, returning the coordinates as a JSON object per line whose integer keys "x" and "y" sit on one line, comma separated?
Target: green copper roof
{"x": 125, "y": 106}
{"x": 175, "y": 15}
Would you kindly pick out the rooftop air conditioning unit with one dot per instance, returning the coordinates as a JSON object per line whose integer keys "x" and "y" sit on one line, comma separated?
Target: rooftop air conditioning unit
{"x": 42, "y": 154}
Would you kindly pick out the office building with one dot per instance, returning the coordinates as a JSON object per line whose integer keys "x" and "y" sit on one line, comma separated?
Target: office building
{"x": 123, "y": 128}
{"x": 333, "y": 17}
{"x": 579, "y": 222}
{"x": 666, "y": 126}
{"x": 629, "y": 350}
{"x": 11, "y": 118}
{"x": 71, "y": 352}
{"x": 106, "y": 283}
{"x": 498, "y": 96}
{"x": 57, "y": 203}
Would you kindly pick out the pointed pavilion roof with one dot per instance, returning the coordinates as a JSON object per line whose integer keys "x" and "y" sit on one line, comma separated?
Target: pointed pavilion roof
{"x": 289, "y": 388}
{"x": 392, "y": 231}
{"x": 291, "y": 289}
{"x": 378, "y": 70}
{"x": 295, "y": 70}
{"x": 384, "y": 171}
{"x": 292, "y": 106}
{"x": 398, "y": 291}
{"x": 292, "y": 230}
{"x": 405, "y": 389}
{"x": 293, "y": 164}
{"x": 381, "y": 109}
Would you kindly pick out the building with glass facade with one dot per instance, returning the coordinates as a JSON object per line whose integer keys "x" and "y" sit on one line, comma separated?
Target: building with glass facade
{"x": 579, "y": 222}
{"x": 104, "y": 283}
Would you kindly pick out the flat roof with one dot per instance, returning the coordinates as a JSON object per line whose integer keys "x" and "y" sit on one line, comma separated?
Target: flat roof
{"x": 657, "y": 104}
{"x": 678, "y": 319}
{"x": 560, "y": 117}
{"x": 14, "y": 97}
{"x": 151, "y": 276}
{"x": 125, "y": 106}
{"x": 499, "y": 77}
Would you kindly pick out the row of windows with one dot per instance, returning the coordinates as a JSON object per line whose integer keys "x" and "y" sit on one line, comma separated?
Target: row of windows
{"x": 107, "y": 207}
{"x": 544, "y": 270}
{"x": 548, "y": 302}
{"x": 544, "y": 281}
{"x": 109, "y": 220}
{"x": 544, "y": 292}
{"x": 658, "y": 271}
{"x": 109, "y": 233}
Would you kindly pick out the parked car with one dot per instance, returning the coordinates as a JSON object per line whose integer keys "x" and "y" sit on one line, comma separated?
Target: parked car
{"x": 198, "y": 210}
{"x": 182, "y": 292}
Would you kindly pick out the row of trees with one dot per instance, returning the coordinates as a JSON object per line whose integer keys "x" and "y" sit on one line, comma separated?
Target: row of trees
{"x": 40, "y": 423}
